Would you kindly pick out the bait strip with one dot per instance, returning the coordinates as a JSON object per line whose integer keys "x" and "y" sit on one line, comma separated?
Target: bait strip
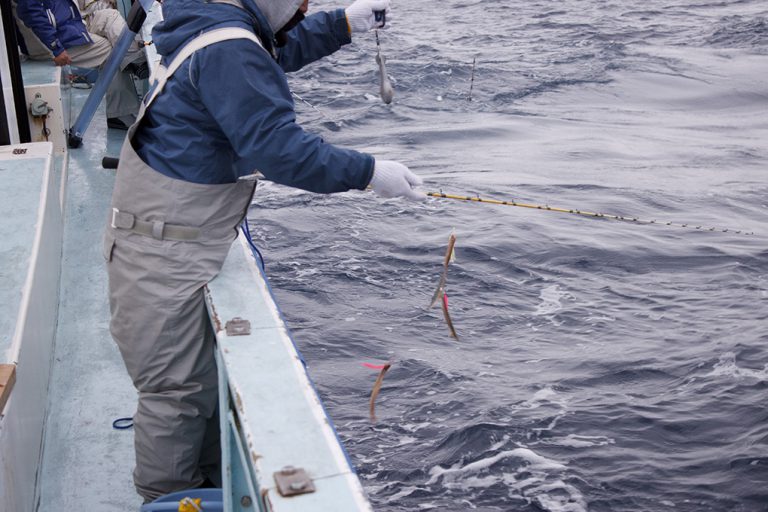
{"x": 376, "y": 389}
{"x": 447, "y": 316}
{"x": 443, "y": 283}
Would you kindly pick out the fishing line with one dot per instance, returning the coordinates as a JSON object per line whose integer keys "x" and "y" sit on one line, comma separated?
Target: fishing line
{"x": 314, "y": 107}
{"x": 635, "y": 220}
{"x": 472, "y": 80}
{"x": 386, "y": 88}
{"x": 386, "y": 91}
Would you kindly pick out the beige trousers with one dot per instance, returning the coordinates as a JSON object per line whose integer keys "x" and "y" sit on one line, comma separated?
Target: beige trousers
{"x": 109, "y": 24}
{"x": 122, "y": 99}
{"x": 104, "y": 27}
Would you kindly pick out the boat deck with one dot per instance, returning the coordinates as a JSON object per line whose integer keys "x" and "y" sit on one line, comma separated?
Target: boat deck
{"x": 89, "y": 385}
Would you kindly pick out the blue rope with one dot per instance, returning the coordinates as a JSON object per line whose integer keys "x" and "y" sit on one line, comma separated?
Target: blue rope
{"x": 122, "y": 423}
{"x": 254, "y": 249}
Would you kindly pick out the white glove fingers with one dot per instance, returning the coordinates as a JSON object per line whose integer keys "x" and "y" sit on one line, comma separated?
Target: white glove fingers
{"x": 413, "y": 179}
{"x": 406, "y": 190}
{"x": 360, "y": 14}
{"x": 393, "y": 179}
{"x": 415, "y": 195}
{"x": 378, "y": 5}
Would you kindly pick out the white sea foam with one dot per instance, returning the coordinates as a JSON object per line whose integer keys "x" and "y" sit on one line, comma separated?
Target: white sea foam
{"x": 404, "y": 440}
{"x": 569, "y": 500}
{"x": 551, "y": 300}
{"x": 549, "y": 398}
{"x": 727, "y": 367}
{"x": 600, "y": 318}
{"x": 541, "y": 481}
{"x": 402, "y": 493}
{"x": 415, "y": 427}
{"x": 545, "y": 394}
{"x": 456, "y": 471}
{"x": 499, "y": 444}
{"x": 577, "y": 441}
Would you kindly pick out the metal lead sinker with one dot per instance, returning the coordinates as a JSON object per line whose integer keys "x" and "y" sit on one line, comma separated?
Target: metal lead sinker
{"x": 386, "y": 90}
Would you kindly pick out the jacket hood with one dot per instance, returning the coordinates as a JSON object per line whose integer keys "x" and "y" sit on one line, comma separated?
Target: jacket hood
{"x": 278, "y": 12}
{"x": 184, "y": 19}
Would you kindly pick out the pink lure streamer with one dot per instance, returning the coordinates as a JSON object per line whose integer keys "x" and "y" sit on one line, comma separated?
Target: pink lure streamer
{"x": 374, "y": 366}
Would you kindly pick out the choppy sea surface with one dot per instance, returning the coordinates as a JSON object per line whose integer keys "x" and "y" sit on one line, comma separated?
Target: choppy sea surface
{"x": 601, "y": 365}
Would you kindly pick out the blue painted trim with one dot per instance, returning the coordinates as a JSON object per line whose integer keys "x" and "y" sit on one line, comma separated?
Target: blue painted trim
{"x": 255, "y": 250}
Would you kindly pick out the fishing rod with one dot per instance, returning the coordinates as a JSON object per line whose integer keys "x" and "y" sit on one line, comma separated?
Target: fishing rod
{"x": 623, "y": 218}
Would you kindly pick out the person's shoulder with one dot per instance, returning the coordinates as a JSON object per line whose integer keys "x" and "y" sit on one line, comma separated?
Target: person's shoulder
{"x": 240, "y": 46}
{"x": 232, "y": 59}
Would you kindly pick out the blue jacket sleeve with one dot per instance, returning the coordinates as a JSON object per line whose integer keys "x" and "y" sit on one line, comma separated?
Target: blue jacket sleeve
{"x": 255, "y": 113}
{"x": 316, "y": 37}
{"x": 33, "y": 14}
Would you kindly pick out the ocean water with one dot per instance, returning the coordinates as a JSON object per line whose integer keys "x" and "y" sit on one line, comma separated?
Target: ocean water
{"x": 601, "y": 365}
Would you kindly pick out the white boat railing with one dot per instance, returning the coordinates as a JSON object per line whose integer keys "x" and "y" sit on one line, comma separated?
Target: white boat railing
{"x": 31, "y": 229}
{"x": 280, "y": 450}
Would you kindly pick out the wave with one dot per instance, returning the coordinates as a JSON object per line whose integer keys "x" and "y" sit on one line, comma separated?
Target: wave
{"x": 740, "y": 32}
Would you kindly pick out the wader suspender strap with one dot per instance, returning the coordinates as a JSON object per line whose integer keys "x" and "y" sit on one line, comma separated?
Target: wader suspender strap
{"x": 159, "y": 229}
{"x": 214, "y": 36}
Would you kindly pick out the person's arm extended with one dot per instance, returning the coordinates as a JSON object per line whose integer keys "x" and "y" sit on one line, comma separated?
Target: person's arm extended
{"x": 318, "y": 36}
{"x": 323, "y": 33}
{"x": 34, "y": 16}
{"x": 256, "y": 114}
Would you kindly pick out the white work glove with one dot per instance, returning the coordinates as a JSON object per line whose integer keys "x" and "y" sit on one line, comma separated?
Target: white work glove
{"x": 393, "y": 179}
{"x": 360, "y": 14}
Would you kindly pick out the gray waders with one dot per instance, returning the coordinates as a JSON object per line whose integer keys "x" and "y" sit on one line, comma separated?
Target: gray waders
{"x": 165, "y": 240}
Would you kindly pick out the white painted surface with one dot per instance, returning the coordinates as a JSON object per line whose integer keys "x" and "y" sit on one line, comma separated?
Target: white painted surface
{"x": 50, "y": 92}
{"x": 5, "y": 78}
{"x": 281, "y": 417}
{"x": 22, "y": 422}
{"x": 51, "y": 83}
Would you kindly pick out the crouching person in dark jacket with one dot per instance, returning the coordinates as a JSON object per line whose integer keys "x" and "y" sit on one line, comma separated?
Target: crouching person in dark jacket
{"x": 55, "y": 29}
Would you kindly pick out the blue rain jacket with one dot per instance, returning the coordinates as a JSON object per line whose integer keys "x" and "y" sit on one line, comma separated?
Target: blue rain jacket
{"x": 57, "y": 23}
{"x": 228, "y": 111}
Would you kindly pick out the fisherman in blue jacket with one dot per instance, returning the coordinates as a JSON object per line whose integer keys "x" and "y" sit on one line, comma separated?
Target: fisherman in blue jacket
{"x": 56, "y": 30}
{"x": 220, "y": 110}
